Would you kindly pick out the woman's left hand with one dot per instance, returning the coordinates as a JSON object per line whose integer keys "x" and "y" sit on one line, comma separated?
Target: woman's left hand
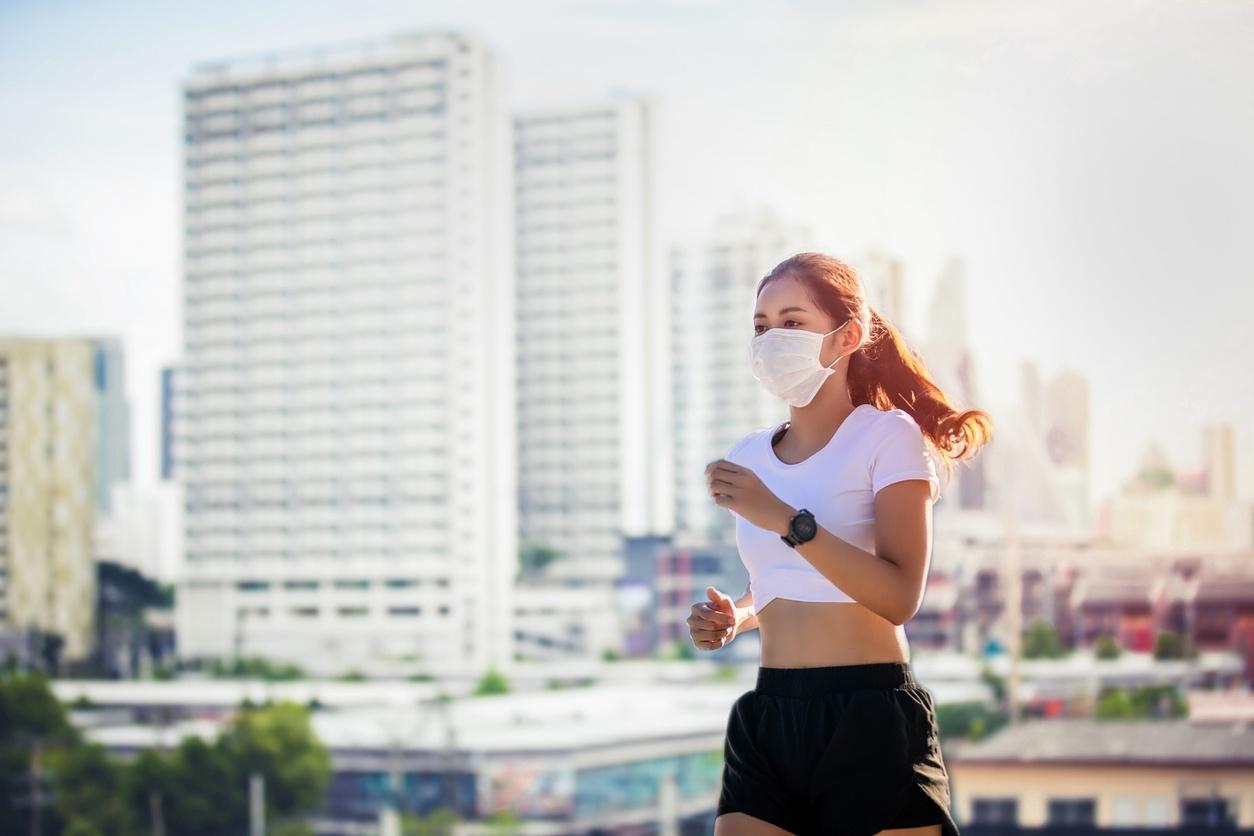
{"x": 739, "y": 489}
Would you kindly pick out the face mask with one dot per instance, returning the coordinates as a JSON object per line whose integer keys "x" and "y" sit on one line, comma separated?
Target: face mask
{"x": 786, "y": 362}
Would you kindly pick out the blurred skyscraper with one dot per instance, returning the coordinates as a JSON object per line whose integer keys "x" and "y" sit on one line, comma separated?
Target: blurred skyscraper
{"x": 884, "y": 282}
{"x": 113, "y": 420}
{"x": 949, "y": 359}
{"x": 343, "y": 416}
{"x": 1219, "y": 448}
{"x": 588, "y": 344}
{"x": 63, "y": 422}
{"x": 716, "y": 399}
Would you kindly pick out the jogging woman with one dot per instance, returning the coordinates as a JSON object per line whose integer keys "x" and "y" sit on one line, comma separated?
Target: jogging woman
{"x": 833, "y": 513}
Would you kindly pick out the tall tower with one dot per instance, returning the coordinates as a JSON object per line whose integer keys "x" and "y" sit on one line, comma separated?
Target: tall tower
{"x": 343, "y": 411}
{"x": 716, "y": 399}
{"x": 52, "y": 408}
{"x": 591, "y": 458}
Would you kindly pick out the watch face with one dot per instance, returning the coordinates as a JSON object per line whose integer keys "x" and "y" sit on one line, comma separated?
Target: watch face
{"x": 805, "y": 526}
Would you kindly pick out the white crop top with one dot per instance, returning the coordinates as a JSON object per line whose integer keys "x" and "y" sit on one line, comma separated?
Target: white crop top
{"x": 870, "y": 449}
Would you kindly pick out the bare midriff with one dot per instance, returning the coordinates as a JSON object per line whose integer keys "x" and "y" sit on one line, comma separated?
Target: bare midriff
{"x": 809, "y": 634}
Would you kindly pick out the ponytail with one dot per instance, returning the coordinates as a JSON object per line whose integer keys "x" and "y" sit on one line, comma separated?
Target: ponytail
{"x": 885, "y": 371}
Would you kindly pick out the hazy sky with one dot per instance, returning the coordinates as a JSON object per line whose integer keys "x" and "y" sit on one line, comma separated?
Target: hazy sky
{"x": 1093, "y": 163}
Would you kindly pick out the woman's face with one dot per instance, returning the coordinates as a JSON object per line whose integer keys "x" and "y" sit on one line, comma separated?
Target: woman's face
{"x": 784, "y": 303}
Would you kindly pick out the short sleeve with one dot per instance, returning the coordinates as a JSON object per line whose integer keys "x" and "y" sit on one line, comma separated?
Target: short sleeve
{"x": 903, "y": 454}
{"x": 739, "y": 445}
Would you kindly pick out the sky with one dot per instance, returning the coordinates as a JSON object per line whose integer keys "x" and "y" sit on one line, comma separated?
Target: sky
{"x": 1091, "y": 163}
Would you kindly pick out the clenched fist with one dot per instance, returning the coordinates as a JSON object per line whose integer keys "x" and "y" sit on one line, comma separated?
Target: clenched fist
{"x": 739, "y": 489}
{"x": 713, "y": 624}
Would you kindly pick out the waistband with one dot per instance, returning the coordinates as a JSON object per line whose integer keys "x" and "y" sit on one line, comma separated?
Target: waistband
{"x": 813, "y": 682}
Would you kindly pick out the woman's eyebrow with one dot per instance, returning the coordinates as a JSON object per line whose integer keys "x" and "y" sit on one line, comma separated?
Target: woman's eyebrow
{"x": 782, "y": 311}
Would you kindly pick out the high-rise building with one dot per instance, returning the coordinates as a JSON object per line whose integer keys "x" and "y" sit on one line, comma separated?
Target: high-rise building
{"x": 716, "y": 399}
{"x": 951, "y": 363}
{"x": 883, "y": 281}
{"x": 113, "y": 419}
{"x": 1220, "y": 466}
{"x": 591, "y": 417}
{"x": 55, "y": 433}
{"x": 166, "y": 453}
{"x": 343, "y": 417}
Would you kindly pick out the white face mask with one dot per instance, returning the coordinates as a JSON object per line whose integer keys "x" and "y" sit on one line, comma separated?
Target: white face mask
{"x": 786, "y": 362}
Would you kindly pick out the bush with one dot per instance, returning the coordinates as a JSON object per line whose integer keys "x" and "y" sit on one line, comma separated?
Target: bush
{"x": 1041, "y": 641}
{"x": 1106, "y": 647}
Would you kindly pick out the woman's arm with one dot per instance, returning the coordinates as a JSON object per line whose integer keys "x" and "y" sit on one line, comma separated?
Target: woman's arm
{"x": 746, "y": 616}
{"x": 889, "y": 582}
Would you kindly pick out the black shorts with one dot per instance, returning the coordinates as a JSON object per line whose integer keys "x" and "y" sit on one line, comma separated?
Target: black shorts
{"x": 840, "y": 750}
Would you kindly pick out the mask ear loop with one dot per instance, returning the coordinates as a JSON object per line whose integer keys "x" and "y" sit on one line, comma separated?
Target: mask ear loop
{"x": 833, "y": 331}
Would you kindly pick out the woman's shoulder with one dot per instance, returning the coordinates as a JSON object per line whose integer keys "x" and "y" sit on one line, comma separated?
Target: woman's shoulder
{"x": 744, "y": 442}
{"x": 894, "y": 420}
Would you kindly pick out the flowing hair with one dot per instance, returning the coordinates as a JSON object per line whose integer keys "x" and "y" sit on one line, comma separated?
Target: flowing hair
{"x": 885, "y": 371}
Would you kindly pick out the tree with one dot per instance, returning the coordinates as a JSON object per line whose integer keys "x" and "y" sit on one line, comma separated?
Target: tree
{"x": 90, "y": 791}
{"x": 1041, "y": 641}
{"x": 533, "y": 559}
{"x": 33, "y": 727}
{"x": 493, "y": 682}
{"x": 278, "y": 742}
{"x": 202, "y": 788}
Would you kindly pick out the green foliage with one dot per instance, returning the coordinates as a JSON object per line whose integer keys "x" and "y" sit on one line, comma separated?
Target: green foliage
{"x": 254, "y": 668}
{"x": 1040, "y": 641}
{"x": 1172, "y": 645}
{"x": 609, "y": 654}
{"x": 533, "y": 559}
{"x": 493, "y": 682}
{"x": 353, "y": 676}
{"x": 279, "y": 743}
{"x": 29, "y": 709}
{"x": 1147, "y": 701}
{"x": 126, "y": 590}
{"x": 1156, "y": 477}
{"x": 971, "y": 720}
{"x": 200, "y": 788}
{"x": 724, "y": 673}
{"x": 1106, "y": 647}
{"x": 994, "y": 682}
{"x": 504, "y": 823}
{"x": 89, "y": 789}
{"x": 440, "y": 822}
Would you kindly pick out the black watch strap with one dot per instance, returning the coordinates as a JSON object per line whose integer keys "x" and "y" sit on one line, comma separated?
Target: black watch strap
{"x": 801, "y": 528}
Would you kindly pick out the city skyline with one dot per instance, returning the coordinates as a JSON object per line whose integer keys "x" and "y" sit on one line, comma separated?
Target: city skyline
{"x": 939, "y": 173}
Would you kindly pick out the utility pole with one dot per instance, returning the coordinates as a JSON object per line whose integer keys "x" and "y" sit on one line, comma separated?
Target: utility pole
{"x": 256, "y": 804}
{"x": 1014, "y": 576}
{"x": 154, "y": 813}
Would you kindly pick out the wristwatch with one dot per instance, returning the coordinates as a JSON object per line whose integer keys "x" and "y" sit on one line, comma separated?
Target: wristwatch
{"x": 801, "y": 529}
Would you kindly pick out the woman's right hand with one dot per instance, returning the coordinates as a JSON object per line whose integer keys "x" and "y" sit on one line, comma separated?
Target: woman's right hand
{"x": 713, "y": 624}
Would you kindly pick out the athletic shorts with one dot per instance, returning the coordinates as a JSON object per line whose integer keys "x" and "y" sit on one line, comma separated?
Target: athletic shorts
{"x": 840, "y": 750}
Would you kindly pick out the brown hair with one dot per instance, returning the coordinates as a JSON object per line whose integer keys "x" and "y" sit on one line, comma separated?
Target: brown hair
{"x": 886, "y": 372}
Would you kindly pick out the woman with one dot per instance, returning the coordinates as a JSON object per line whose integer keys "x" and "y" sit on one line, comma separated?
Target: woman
{"x": 833, "y": 522}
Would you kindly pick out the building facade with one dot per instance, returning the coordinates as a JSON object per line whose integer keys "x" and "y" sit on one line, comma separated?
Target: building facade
{"x": 342, "y": 417}
{"x": 52, "y": 411}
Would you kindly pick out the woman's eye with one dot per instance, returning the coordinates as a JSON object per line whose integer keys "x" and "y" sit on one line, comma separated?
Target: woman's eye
{"x": 758, "y": 329}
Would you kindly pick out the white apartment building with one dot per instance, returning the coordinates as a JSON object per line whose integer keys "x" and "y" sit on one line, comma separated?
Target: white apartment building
{"x": 591, "y": 412}
{"x": 716, "y": 399}
{"x": 343, "y": 416}
{"x": 591, "y": 360}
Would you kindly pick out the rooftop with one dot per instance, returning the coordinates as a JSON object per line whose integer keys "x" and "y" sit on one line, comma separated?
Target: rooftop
{"x": 1128, "y": 742}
